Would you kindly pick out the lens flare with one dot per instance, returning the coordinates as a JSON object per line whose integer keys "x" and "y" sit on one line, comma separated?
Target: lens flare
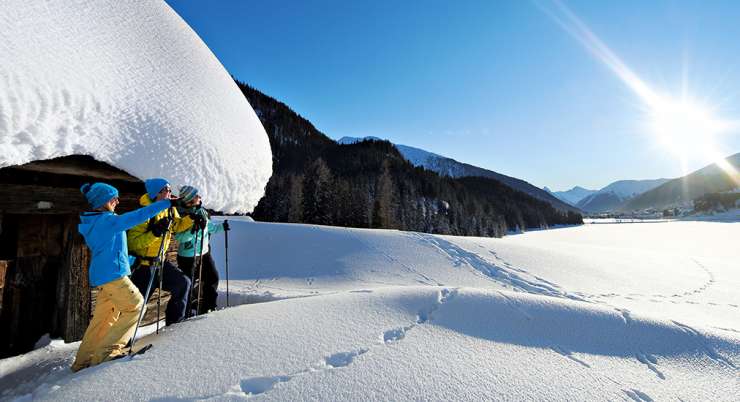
{"x": 684, "y": 127}
{"x": 680, "y": 124}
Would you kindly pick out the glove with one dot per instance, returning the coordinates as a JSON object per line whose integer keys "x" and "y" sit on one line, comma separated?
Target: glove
{"x": 200, "y": 220}
{"x": 176, "y": 203}
{"x": 160, "y": 227}
{"x": 226, "y": 226}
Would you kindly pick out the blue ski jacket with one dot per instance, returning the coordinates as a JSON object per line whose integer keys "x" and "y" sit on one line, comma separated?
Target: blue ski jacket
{"x": 105, "y": 235}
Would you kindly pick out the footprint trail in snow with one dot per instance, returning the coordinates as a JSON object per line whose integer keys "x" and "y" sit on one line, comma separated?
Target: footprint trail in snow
{"x": 253, "y": 386}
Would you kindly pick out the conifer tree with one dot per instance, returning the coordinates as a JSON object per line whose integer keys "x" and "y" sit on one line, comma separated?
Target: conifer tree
{"x": 385, "y": 203}
{"x": 317, "y": 207}
{"x": 295, "y": 198}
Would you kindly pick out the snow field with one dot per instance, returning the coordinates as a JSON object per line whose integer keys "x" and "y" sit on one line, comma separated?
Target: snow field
{"x": 387, "y": 315}
{"x": 684, "y": 271}
{"x": 417, "y": 343}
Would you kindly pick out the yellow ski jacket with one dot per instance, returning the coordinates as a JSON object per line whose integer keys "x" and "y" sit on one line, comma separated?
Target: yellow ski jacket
{"x": 141, "y": 241}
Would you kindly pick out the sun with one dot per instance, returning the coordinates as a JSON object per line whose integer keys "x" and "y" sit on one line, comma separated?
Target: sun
{"x": 683, "y": 126}
{"x": 688, "y": 129}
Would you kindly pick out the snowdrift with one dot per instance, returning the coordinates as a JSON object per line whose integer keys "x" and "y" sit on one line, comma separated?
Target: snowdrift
{"x": 426, "y": 343}
{"x": 325, "y": 258}
{"x": 596, "y": 312}
{"x": 684, "y": 271}
{"x": 131, "y": 85}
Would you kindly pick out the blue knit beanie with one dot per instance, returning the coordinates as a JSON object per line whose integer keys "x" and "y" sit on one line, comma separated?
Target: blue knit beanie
{"x": 187, "y": 193}
{"x": 98, "y": 194}
{"x": 154, "y": 186}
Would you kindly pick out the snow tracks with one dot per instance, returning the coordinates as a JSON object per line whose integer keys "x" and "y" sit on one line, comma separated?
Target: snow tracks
{"x": 497, "y": 270}
{"x": 254, "y": 386}
{"x": 419, "y": 342}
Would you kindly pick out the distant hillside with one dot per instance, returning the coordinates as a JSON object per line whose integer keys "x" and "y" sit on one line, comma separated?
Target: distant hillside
{"x": 449, "y": 167}
{"x": 632, "y": 188}
{"x": 371, "y": 185}
{"x": 613, "y": 196}
{"x": 572, "y": 196}
{"x": 600, "y": 202}
{"x": 681, "y": 191}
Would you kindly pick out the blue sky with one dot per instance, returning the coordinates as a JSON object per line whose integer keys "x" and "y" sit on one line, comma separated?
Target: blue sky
{"x": 498, "y": 84}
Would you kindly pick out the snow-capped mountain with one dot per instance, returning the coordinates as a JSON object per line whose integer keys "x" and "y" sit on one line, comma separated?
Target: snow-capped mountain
{"x": 573, "y": 195}
{"x": 612, "y": 197}
{"x": 608, "y": 198}
{"x": 450, "y": 167}
{"x": 601, "y": 202}
{"x": 683, "y": 190}
{"x": 632, "y": 188}
{"x": 132, "y": 85}
{"x": 419, "y": 157}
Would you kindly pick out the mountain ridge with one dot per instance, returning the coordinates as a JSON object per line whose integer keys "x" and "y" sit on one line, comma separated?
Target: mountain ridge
{"x": 680, "y": 192}
{"x": 571, "y": 196}
{"x": 609, "y": 197}
{"x": 371, "y": 185}
{"x": 450, "y": 167}
{"x": 614, "y": 195}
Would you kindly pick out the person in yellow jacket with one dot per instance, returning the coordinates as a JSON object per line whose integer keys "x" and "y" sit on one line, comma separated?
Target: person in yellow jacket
{"x": 144, "y": 242}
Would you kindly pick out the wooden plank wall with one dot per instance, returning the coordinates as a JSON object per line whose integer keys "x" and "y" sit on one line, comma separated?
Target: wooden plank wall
{"x": 30, "y": 283}
{"x": 38, "y": 199}
{"x": 3, "y": 271}
{"x": 73, "y": 306}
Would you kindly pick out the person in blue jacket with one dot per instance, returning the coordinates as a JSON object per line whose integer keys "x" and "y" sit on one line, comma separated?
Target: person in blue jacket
{"x": 118, "y": 301}
{"x": 194, "y": 248}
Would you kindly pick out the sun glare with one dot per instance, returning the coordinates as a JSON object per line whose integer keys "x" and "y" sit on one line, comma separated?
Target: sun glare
{"x": 683, "y": 126}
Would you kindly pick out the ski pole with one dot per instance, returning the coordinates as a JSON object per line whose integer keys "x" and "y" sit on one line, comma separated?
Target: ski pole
{"x": 143, "y": 307}
{"x": 200, "y": 268}
{"x": 160, "y": 268}
{"x": 189, "y": 311}
{"x": 226, "y": 245}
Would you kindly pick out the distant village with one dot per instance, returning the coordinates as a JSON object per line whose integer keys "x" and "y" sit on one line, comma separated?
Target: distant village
{"x": 708, "y": 204}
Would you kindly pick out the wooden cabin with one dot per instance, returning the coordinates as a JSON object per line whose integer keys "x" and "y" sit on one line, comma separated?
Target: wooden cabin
{"x": 43, "y": 259}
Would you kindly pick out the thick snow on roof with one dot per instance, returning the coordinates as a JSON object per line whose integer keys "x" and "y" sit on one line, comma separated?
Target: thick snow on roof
{"x": 131, "y": 84}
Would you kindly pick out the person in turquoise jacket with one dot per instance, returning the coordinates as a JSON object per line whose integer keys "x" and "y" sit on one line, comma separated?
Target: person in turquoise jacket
{"x": 190, "y": 251}
{"x": 118, "y": 301}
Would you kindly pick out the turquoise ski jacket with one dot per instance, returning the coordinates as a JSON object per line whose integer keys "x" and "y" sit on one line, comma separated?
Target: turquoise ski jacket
{"x": 187, "y": 240}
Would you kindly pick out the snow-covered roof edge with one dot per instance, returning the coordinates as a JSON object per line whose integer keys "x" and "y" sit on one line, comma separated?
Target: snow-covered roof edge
{"x": 131, "y": 85}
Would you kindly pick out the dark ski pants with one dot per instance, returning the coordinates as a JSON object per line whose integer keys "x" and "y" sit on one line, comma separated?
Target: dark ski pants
{"x": 173, "y": 281}
{"x": 209, "y": 276}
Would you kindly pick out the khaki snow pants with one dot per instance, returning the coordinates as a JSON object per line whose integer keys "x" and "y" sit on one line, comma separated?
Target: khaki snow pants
{"x": 116, "y": 312}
